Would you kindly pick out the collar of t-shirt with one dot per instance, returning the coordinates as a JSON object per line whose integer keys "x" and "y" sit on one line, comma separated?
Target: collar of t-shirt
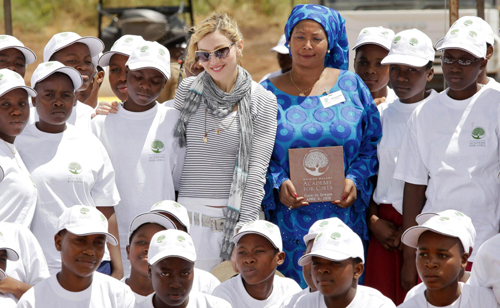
{"x": 68, "y": 133}
{"x": 138, "y": 115}
{"x": 138, "y": 297}
{"x": 457, "y": 104}
{"x": 68, "y": 295}
{"x": 244, "y": 297}
{"x": 463, "y": 299}
{"x": 408, "y": 108}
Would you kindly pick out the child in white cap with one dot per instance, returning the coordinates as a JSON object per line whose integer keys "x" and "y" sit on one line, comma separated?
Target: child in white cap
{"x": 68, "y": 165}
{"x": 80, "y": 237}
{"x": 171, "y": 258}
{"x": 318, "y": 227}
{"x": 441, "y": 243}
{"x": 17, "y": 191}
{"x": 467, "y": 223}
{"x": 284, "y": 59}
{"x": 372, "y": 46}
{"x": 14, "y": 55}
{"x": 259, "y": 251}
{"x": 449, "y": 156}
{"x": 140, "y": 138}
{"x": 75, "y": 51}
{"x": 203, "y": 281}
{"x": 115, "y": 59}
{"x": 7, "y": 253}
{"x": 337, "y": 258}
{"x": 410, "y": 68}
{"x": 142, "y": 229}
{"x": 30, "y": 269}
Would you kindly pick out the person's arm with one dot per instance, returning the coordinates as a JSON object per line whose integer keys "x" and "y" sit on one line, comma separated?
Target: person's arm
{"x": 114, "y": 251}
{"x": 13, "y": 286}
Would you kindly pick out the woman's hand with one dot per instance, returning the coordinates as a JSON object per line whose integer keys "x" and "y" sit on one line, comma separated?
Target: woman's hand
{"x": 288, "y": 196}
{"x": 106, "y": 108}
{"x": 349, "y": 195}
{"x": 385, "y": 232}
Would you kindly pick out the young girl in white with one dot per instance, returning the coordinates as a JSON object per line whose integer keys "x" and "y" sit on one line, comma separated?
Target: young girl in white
{"x": 69, "y": 166}
{"x": 17, "y": 190}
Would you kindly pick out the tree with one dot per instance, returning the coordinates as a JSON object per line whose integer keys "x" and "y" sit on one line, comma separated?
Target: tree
{"x": 75, "y": 168}
{"x": 316, "y": 160}
{"x": 478, "y": 133}
{"x": 157, "y": 146}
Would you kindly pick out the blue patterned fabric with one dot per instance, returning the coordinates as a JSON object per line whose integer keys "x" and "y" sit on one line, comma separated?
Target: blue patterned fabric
{"x": 334, "y": 26}
{"x": 304, "y": 123}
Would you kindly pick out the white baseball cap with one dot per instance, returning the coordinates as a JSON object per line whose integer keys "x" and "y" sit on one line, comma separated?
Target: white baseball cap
{"x": 7, "y": 41}
{"x": 12, "y": 254}
{"x": 173, "y": 208}
{"x": 171, "y": 243}
{"x": 123, "y": 46}
{"x": 146, "y": 218}
{"x": 410, "y": 47}
{"x": 150, "y": 55}
{"x": 463, "y": 37}
{"x": 264, "y": 228}
{"x": 84, "y": 220}
{"x": 337, "y": 244}
{"x": 450, "y": 223}
{"x": 375, "y": 35}
{"x": 322, "y": 225}
{"x": 46, "y": 69}
{"x": 280, "y": 47}
{"x": 10, "y": 80}
{"x": 65, "y": 39}
{"x": 477, "y": 24}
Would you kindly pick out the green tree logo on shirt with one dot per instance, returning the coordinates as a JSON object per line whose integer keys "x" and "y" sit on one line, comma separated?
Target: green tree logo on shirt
{"x": 323, "y": 224}
{"x": 75, "y": 168}
{"x": 335, "y": 236}
{"x": 397, "y": 39}
{"x": 157, "y": 146}
{"x": 413, "y": 42}
{"x": 143, "y": 49}
{"x": 478, "y": 133}
{"x": 160, "y": 239}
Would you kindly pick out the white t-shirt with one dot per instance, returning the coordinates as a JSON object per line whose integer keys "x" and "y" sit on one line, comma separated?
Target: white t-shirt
{"x": 486, "y": 269}
{"x": 290, "y": 301}
{"x": 196, "y": 300}
{"x": 7, "y": 302}
{"x": 17, "y": 190}
{"x": 80, "y": 116}
{"x": 138, "y": 297}
{"x": 69, "y": 168}
{"x": 104, "y": 291}
{"x": 365, "y": 297}
{"x": 147, "y": 160}
{"x": 31, "y": 268}
{"x": 394, "y": 118}
{"x": 235, "y": 293}
{"x": 492, "y": 83}
{"x": 419, "y": 288}
{"x": 452, "y": 147}
{"x": 203, "y": 282}
{"x": 472, "y": 297}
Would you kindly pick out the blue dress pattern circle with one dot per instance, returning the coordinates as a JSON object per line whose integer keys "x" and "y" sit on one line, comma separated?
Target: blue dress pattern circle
{"x": 304, "y": 123}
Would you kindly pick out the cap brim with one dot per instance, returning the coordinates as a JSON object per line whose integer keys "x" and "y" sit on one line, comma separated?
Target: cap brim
{"x": 94, "y": 44}
{"x": 325, "y": 254}
{"x": 444, "y": 46}
{"x": 371, "y": 43}
{"x": 106, "y": 57}
{"x": 405, "y": 60}
{"x": 83, "y": 231}
{"x": 11, "y": 253}
{"x": 309, "y": 236}
{"x": 143, "y": 65}
{"x": 72, "y": 73}
{"x": 280, "y": 49}
{"x": 238, "y": 236}
{"x": 31, "y": 91}
{"x": 29, "y": 55}
{"x": 423, "y": 217}
{"x": 172, "y": 254}
{"x": 154, "y": 218}
{"x": 159, "y": 210}
{"x": 410, "y": 237}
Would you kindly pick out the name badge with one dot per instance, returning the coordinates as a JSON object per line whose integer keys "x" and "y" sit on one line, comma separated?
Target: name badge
{"x": 332, "y": 99}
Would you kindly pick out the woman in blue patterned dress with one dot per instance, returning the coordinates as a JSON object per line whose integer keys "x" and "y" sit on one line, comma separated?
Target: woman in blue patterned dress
{"x": 319, "y": 49}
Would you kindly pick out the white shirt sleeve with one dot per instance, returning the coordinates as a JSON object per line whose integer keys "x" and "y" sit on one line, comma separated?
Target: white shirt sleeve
{"x": 486, "y": 269}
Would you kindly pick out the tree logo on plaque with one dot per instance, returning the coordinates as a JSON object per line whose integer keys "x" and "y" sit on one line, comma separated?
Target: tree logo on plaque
{"x": 316, "y": 162}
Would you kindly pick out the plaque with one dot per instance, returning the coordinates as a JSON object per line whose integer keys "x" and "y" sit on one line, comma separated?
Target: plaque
{"x": 318, "y": 173}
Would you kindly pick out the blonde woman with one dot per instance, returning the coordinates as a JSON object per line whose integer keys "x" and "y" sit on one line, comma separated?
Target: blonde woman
{"x": 228, "y": 126}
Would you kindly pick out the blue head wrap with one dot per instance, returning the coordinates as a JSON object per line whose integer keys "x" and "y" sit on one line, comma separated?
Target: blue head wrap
{"x": 334, "y": 26}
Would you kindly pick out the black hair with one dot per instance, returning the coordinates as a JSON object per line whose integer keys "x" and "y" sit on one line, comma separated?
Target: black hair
{"x": 135, "y": 231}
{"x": 357, "y": 260}
{"x": 428, "y": 66}
{"x": 62, "y": 232}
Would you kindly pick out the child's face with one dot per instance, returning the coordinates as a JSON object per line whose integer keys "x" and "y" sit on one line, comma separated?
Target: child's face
{"x": 78, "y": 57}
{"x": 408, "y": 82}
{"x": 461, "y": 77}
{"x": 80, "y": 255}
{"x": 14, "y": 114}
{"x": 137, "y": 251}
{"x": 172, "y": 281}
{"x": 256, "y": 259}
{"x": 118, "y": 76}
{"x": 439, "y": 260}
{"x": 54, "y": 101}
{"x": 144, "y": 86}
{"x": 3, "y": 260}
{"x": 368, "y": 65}
{"x": 306, "y": 269}
{"x": 335, "y": 278}
{"x": 14, "y": 60}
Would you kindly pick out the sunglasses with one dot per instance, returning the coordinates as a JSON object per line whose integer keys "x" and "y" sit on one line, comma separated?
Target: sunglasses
{"x": 221, "y": 53}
